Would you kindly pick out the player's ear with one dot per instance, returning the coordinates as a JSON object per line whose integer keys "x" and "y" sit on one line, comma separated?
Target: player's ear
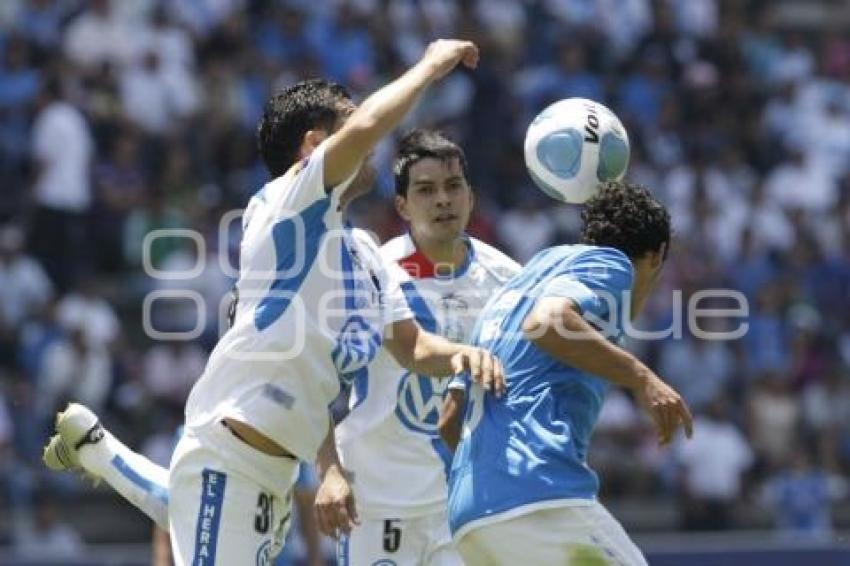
{"x": 401, "y": 207}
{"x": 311, "y": 141}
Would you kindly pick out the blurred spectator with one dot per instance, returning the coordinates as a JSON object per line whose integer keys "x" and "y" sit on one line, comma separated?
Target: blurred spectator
{"x": 773, "y": 416}
{"x": 172, "y": 368}
{"x": 526, "y": 229}
{"x": 47, "y": 538}
{"x": 20, "y": 82}
{"x": 24, "y": 286}
{"x": 121, "y": 187}
{"x": 98, "y": 35}
{"x": 62, "y": 149}
{"x": 712, "y": 462}
{"x": 85, "y": 309}
{"x": 74, "y": 369}
{"x": 153, "y": 99}
{"x": 41, "y": 21}
{"x": 802, "y": 495}
{"x": 699, "y": 369}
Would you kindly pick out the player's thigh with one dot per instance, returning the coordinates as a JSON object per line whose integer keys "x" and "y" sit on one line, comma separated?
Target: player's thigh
{"x": 218, "y": 517}
{"x": 501, "y": 544}
{"x": 585, "y": 535}
{"x": 382, "y": 542}
{"x": 610, "y": 536}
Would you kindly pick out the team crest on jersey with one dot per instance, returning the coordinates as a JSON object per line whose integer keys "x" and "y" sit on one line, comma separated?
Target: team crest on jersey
{"x": 453, "y": 309}
{"x": 420, "y": 399}
{"x": 357, "y": 344}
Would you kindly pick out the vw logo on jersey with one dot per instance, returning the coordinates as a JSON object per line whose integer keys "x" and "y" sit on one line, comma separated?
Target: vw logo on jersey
{"x": 420, "y": 399}
{"x": 356, "y": 345}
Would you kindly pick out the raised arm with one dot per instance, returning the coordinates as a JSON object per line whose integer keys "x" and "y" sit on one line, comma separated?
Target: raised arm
{"x": 557, "y": 327}
{"x": 382, "y": 111}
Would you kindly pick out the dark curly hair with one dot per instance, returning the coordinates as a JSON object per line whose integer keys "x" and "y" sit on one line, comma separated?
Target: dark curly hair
{"x": 627, "y": 217}
{"x": 419, "y": 144}
{"x": 291, "y": 113}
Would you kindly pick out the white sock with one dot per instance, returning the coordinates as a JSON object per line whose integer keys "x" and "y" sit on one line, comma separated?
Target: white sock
{"x": 137, "y": 479}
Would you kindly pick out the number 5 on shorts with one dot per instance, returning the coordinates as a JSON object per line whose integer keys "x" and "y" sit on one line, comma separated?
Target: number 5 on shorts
{"x": 392, "y": 535}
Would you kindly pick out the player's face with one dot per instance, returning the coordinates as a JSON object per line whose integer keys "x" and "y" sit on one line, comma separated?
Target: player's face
{"x": 438, "y": 202}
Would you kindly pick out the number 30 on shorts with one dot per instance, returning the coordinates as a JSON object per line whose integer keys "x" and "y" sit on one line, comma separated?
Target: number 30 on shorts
{"x": 263, "y": 518}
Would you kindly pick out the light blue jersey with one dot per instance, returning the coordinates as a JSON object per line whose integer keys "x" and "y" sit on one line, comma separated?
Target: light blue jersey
{"x": 528, "y": 449}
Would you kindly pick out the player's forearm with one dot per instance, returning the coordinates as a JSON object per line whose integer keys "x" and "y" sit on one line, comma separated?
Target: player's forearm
{"x": 450, "y": 417}
{"x": 432, "y": 355}
{"x": 328, "y": 458}
{"x": 376, "y": 117}
{"x": 419, "y": 351}
{"x": 570, "y": 339}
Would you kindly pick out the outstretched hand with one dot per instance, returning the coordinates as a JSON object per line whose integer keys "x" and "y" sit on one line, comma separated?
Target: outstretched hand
{"x": 484, "y": 368}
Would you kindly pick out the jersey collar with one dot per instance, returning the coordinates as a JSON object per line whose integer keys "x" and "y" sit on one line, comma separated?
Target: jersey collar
{"x": 418, "y": 266}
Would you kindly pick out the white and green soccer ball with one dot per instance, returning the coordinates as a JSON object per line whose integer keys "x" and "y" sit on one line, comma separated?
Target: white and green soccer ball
{"x": 574, "y": 145}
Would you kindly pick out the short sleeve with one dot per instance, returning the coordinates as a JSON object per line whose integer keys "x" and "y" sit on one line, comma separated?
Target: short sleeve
{"x": 597, "y": 280}
{"x": 303, "y": 184}
{"x": 393, "y": 303}
{"x": 392, "y": 298}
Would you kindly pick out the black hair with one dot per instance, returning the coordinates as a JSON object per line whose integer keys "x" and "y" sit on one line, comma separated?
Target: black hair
{"x": 419, "y": 144}
{"x": 627, "y": 217}
{"x": 291, "y": 113}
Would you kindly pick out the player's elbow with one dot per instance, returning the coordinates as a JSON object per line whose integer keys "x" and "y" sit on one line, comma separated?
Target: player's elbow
{"x": 534, "y": 326}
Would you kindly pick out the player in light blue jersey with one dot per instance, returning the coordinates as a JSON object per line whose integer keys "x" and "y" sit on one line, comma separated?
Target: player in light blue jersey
{"x": 520, "y": 490}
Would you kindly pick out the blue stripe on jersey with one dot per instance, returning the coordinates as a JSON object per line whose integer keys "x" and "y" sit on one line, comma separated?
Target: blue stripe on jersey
{"x": 361, "y": 386}
{"x": 289, "y": 249}
{"x": 419, "y": 307}
{"x": 209, "y": 517}
{"x": 158, "y": 491}
{"x": 347, "y": 264}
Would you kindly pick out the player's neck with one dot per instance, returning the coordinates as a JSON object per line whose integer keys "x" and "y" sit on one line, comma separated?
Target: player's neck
{"x": 641, "y": 289}
{"x": 452, "y": 253}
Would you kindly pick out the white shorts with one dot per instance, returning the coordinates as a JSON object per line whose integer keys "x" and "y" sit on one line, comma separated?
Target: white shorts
{"x": 418, "y": 541}
{"x": 581, "y": 534}
{"x": 228, "y": 503}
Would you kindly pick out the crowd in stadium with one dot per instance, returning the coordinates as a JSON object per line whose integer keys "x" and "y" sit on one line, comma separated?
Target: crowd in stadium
{"x": 118, "y": 118}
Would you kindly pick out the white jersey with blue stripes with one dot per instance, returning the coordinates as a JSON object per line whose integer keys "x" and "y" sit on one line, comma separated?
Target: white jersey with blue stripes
{"x": 389, "y": 440}
{"x": 314, "y": 300}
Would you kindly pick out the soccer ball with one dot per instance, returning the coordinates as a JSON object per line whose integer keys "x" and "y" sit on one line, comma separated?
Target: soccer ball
{"x": 574, "y": 145}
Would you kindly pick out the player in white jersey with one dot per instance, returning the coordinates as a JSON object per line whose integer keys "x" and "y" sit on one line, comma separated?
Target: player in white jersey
{"x": 389, "y": 442}
{"x": 316, "y": 303}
